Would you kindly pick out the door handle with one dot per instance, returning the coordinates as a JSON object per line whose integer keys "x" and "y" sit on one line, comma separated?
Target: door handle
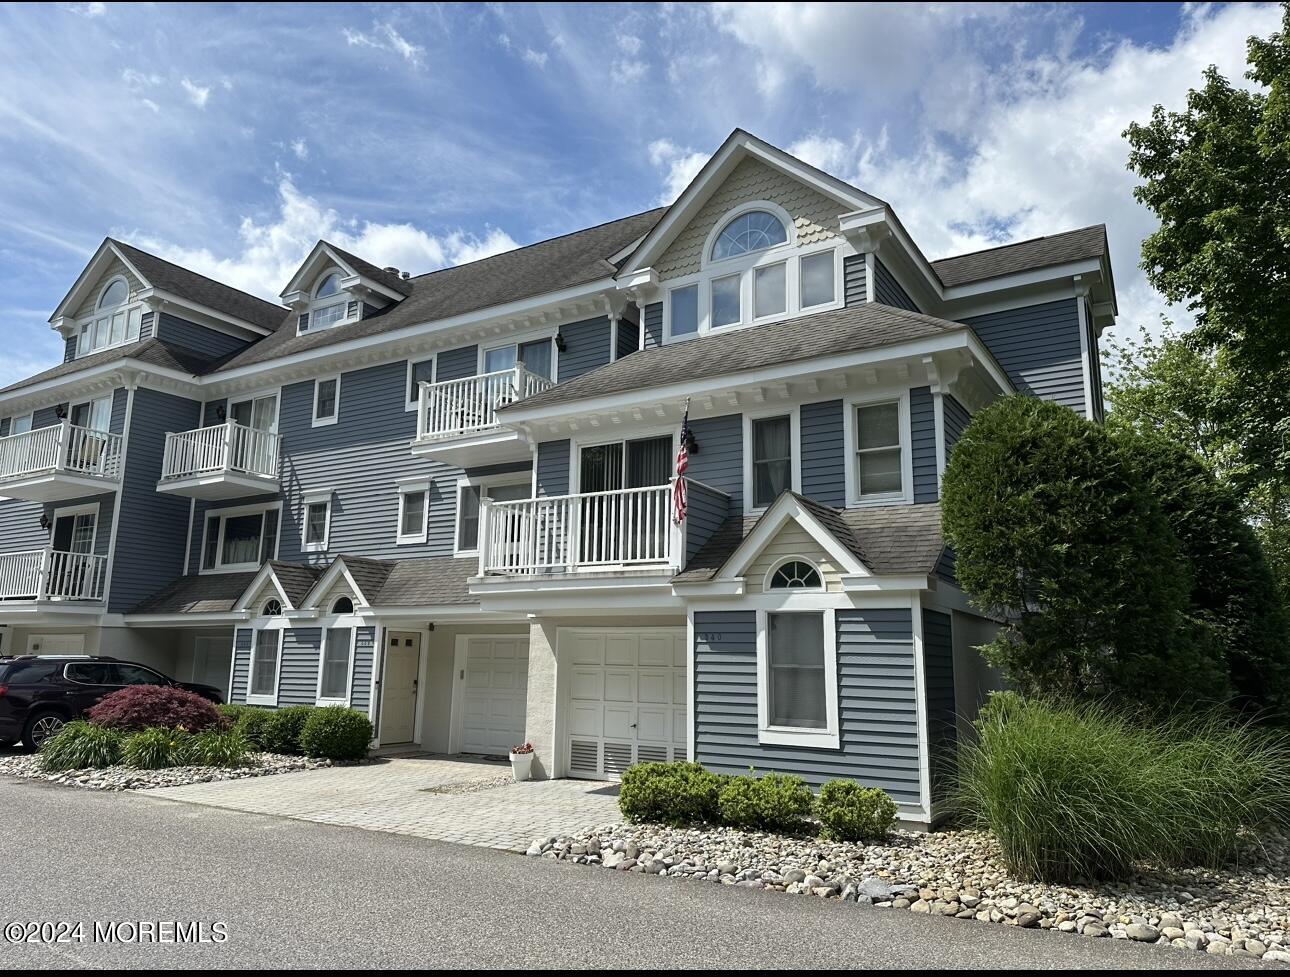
{"x": 633, "y": 725}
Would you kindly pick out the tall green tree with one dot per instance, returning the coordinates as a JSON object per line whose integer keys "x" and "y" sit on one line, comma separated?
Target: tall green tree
{"x": 1217, "y": 175}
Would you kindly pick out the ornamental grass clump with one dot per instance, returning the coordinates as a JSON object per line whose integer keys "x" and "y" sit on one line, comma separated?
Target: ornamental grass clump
{"x": 1085, "y": 791}
{"x": 81, "y": 745}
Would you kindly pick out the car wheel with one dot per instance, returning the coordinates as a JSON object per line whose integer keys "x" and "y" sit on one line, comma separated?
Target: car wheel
{"x": 40, "y": 727}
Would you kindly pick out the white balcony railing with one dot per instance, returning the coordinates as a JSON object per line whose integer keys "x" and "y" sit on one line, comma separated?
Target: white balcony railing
{"x": 589, "y": 531}
{"x": 60, "y": 448}
{"x": 52, "y": 575}
{"x": 452, "y": 408}
{"x": 220, "y": 449}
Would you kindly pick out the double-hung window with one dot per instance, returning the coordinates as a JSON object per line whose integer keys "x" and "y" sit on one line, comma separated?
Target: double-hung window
{"x": 240, "y": 539}
{"x": 317, "y": 522}
{"x": 326, "y": 401}
{"x": 772, "y": 458}
{"x": 263, "y": 688}
{"x": 797, "y": 657}
{"x": 414, "y": 513}
{"x": 880, "y": 463}
{"x": 333, "y": 679}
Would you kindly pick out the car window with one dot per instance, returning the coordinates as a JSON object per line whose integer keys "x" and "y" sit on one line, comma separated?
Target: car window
{"x": 137, "y": 675}
{"x": 90, "y": 673}
{"x": 31, "y": 673}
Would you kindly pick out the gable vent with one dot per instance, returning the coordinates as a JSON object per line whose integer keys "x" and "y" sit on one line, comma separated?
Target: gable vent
{"x": 352, "y": 310}
{"x": 304, "y": 321}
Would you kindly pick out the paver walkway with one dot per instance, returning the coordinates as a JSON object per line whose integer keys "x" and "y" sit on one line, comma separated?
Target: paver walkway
{"x": 440, "y": 798}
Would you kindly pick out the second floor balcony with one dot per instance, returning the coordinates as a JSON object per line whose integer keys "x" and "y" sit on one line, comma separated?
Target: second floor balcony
{"x": 38, "y": 576}
{"x": 457, "y": 420}
{"x": 62, "y": 461}
{"x": 223, "y": 461}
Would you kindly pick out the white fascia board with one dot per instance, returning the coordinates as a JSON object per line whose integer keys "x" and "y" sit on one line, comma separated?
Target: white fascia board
{"x": 856, "y": 582}
{"x": 58, "y": 389}
{"x": 157, "y": 299}
{"x": 188, "y": 619}
{"x": 958, "y": 339}
{"x": 372, "y": 285}
{"x": 718, "y": 587}
{"x": 93, "y": 268}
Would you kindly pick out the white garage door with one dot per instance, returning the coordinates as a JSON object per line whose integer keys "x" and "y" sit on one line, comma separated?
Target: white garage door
{"x": 626, "y": 700}
{"x": 494, "y": 694}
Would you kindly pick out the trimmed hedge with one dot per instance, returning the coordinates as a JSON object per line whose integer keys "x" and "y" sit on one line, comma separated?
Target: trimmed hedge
{"x": 282, "y": 729}
{"x": 850, "y": 812}
{"x": 774, "y": 802}
{"x": 80, "y": 745}
{"x": 250, "y": 721}
{"x": 336, "y": 733}
{"x": 671, "y": 793}
{"x": 139, "y": 707}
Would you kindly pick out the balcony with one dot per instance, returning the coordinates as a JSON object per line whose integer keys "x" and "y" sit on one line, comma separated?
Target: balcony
{"x": 38, "y": 576}
{"x": 457, "y": 419}
{"x": 63, "y": 461}
{"x": 224, "y": 461}
{"x": 626, "y": 530}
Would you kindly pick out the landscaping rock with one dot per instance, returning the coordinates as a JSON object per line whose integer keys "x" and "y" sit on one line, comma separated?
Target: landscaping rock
{"x": 129, "y": 778}
{"x": 1142, "y": 932}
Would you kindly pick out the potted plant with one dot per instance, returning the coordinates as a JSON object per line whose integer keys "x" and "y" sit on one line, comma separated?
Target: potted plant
{"x": 521, "y": 761}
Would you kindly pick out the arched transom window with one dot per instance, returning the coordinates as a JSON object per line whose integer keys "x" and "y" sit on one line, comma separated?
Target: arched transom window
{"x": 115, "y": 294}
{"x": 342, "y": 605}
{"x": 112, "y": 323}
{"x": 756, "y": 230}
{"x": 272, "y": 607}
{"x": 330, "y": 305}
{"x": 795, "y": 575}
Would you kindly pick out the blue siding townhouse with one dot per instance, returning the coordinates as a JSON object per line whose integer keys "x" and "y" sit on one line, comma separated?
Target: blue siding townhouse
{"x": 447, "y": 499}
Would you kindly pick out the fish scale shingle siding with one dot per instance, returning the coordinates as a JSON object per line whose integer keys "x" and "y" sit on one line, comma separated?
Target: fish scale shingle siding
{"x": 152, "y": 526}
{"x": 823, "y": 453}
{"x": 877, "y": 708}
{"x": 1039, "y": 346}
{"x": 815, "y": 216}
{"x": 922, "y": 432}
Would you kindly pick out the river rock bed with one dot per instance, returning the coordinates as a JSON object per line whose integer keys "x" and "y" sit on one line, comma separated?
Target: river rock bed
{"x": 1241, "y": 911}
{"x": 130, "y": 778}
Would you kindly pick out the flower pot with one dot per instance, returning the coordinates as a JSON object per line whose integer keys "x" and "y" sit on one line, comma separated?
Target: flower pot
{"x": 521, "y": 764}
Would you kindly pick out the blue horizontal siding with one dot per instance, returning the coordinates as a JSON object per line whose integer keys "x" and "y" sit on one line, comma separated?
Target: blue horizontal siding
{"x": 922, "y": 428}
{"x": 553, "y": 468}
{"x": 242, "y": 638}
{"x": 175, "y": 331}
{"x": 629, "y": 337}
{"x": 707, "y": 510}
{"x": 653, "y": 325}
{"x": 888, "y": 291}
{"x": 719, "y": 460}
{"x": 957, "y": 419}
{"x": 942, "y": 717}
{"x": 454, "y": 364}
{"x": 1039, "y": 346}
{"x": 824, "y": 453}
{"x": 298, "y": 670}
{"x": 587, "y": 345}
{"x": 364, "y": 660}
{"x": 877, "y": 705}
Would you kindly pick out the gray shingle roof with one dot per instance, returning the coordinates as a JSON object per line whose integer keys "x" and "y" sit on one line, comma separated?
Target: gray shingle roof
{"x": 153, "y": 351}
{"x": 889, "y": 539}
{"x": 297, "y": 579}
{"x": 562, "y": 262}
{"x": 170, "y": 277}
{"x": 436, "y": 580}
{"x": 197, "y": 594}
{"x": 1008, "y": 259}
{"x": 369, "y": 270}
{"x": 370, "y": 575}
{"x": 858, "y": 327}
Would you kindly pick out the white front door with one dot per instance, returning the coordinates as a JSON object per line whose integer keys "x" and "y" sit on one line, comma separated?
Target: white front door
{"x": 55, "y": 644}
{"x": 494, "y": 672}
{"x": 399, "y": 687}
{"x": 626, "y": 698}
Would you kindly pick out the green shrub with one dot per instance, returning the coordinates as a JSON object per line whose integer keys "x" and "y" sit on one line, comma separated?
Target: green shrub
{"x": 282, "y": 728}
{"x": 336, "y": 733}
{"x": 671, "y": 793}
{"x": 775, "y": 802}
{"x": 153, "y": 749}
{"x": 850, "y": 812}
{"x": 1084, "y": 791}
{"x": 80, "y": 745}
{"x": 250, "y": 721}
{"x": 215, "y": 748}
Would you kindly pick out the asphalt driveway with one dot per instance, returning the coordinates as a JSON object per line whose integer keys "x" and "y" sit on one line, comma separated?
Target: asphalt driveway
{"x": 300, "y": 894}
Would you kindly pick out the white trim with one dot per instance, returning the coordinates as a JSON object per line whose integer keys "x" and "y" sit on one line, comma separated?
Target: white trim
{"x": 827, "y": 738}
{"x": 795, "y": 558}
{"x": 787, "y": 508}
{"x": 264, "y": 699}
{"x": 484, "y": 483}
{"x": 920, "y": 702}
{"x": 433, "y": 359}
{"x": 233, "y": 512}
{"x": 739, "y": 210}
{"x": 319, "y": 700}
{"x": 337, "y": 571}
{"x": 253, "y": 589}
{"x": 794, "y": 415}
{"x": 315, "y": 420}
{"x": 518, "y": 339}
{"x": 849, "y": 435}
{"x": 261, "y": 394}
{"x": 411, "y": 488}
{"x": 1086, "y": 360}
{"x": 323, "y": 498}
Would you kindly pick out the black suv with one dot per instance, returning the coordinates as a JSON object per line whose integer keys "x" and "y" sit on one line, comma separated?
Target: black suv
{"x": 39, "y": 693}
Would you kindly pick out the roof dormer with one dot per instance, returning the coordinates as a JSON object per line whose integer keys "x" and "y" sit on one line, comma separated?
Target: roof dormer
{"x": 333, "y": 288}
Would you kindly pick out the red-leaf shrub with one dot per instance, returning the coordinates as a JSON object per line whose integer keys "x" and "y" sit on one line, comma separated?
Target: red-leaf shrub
{"x": 145, "y": 706}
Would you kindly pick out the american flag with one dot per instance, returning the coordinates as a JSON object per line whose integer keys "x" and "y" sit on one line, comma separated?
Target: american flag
{"x": 679, "y": 504}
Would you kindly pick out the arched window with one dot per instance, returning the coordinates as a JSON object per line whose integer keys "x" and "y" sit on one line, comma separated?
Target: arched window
{"x": 795, "y": 575}
{"x": 342, "y": 605}
{"x": 756, "y": 230}
{"x": 115, "y": 294}
{"x": 330, "y": 306}
{"x": 272, "y": 607}
{"x": 330, "y": 285}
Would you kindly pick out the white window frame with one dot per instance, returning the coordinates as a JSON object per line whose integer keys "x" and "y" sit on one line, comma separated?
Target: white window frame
{"x": 740, "y": 289}
{"x": 775, "y": 568}
{"x": 91, "y": 403}
{"x": 275, "y": 393}
{"x": 133, "y": 312}
{"x": 224, "y": 514}
{"x": 406, "y": 489}
{"x": 319, "y": 699}
{"x": 837, "y": 299}
{"x": 483, "y": 484}
{"x": 849, "y": 434}
{"x": 698, "y": 312}
{"x": 29, "y": 417}
{"x": 342, "y": 297}
{"x": 433, "y": 360}
{"x": 264, "y": 608}
{"x": 517, "y": 340}
{"x": 827, "y": 738}
{"x": 317, "y": 421}
{"x": 794, "y": 415}
{"x": 319, "y": 497}
{"x": 263, "y": 699}
{"x": 72, "y": 512}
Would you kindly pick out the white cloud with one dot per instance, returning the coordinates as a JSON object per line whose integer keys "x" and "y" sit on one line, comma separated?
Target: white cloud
{"x": 270, "y": 252}
{"x": 1044, "y": 151}
{"x": 199, "y": 95}
{"x": 628, "y": 72}
{"x": 300, "y": 148}
{"x": 537, "y": 58}
{"x": 679, "y": 166}
{"x": 86, "y": 9}
{"x": 629, "y": 44}
{"x": 385, "y": 37}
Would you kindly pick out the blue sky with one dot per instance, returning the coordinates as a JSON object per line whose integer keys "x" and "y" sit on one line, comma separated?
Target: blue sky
{"x": 231, "y": 137}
